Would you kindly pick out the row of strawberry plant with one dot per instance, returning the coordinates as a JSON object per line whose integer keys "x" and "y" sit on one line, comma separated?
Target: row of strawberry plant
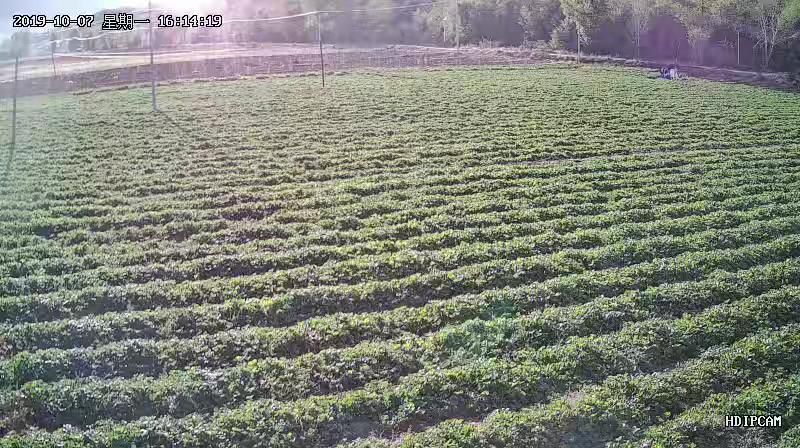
{"x": 474, "y": 388}
{"x": 704, "y": 425}
{"x": 86, "y": 401}
{"x": 399, "y": 232}
{"x": 226, "y": 348}
{"x": 137, "y": 217}
{"x": 346, "y": 192}
{"x": 211, "y": 182}
{"x": 57, "y": 263}
{"x": 182, "y": 323}
{"x": 270, "y": 245}
{"x": 261, "y": 236}
{"x": 423, "y": 287}
{"x": 194, "y": 224}
{"x": 621, "y": 406}
{"x": 382, "y": 267}
{"x": 530, "y": 217}
{"x": 334, "y": 211}
{"x": 457, "y": 183}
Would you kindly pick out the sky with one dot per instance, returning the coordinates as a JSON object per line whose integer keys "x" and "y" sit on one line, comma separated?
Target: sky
{"x": 74, "y": 7}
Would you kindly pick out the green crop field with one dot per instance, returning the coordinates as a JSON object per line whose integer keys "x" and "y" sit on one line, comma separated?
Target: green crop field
{"x": 536, "y": 257}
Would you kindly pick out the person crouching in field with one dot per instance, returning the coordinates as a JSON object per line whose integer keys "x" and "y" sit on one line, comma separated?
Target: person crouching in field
{"x": 669, "y": 72}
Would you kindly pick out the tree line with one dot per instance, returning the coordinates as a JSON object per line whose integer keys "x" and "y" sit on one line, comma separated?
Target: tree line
{"x": 754, "y": 33}
{"x": 748, "y": 33}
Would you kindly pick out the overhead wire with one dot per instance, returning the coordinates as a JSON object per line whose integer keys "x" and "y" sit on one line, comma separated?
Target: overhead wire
{"x": 242, "y": 20}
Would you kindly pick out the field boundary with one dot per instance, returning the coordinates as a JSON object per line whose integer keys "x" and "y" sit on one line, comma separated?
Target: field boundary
{"x": 233, "y": 68}
{"x": 338, "y": 60}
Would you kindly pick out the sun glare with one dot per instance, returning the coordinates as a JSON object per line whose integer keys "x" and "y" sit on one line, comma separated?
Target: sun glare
{"x": 180, "y": 6}
{"x": 192, "y": 6}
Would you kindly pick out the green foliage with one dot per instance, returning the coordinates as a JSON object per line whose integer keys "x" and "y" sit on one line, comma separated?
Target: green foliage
{"x": 598, "y": 25}
{"x": 539, "y": 18}
{"x": 438, "y": 260}
{"x": 585, "y": 15}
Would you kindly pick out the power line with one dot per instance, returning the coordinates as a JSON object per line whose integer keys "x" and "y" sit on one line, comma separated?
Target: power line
{"x": 57, "y": 41}
{"x": 141, "y": 11}
{"x": 270, "y": 19}
{"x": 389, "y": 8}
{"x": 328, "y": 11}
{"x": 224, "y": 22}
{"x": 265, "y": 19}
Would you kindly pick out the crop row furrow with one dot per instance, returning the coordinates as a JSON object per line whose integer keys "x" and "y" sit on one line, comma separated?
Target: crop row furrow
{"x": 704, "y": 425}
{"x": 156, "y": 187}
{"x": 363, "y": 241}
{"x": 338, "y": 267}
{"x": 622, "y": 405}
{"x": 192, "y": 321}
{"x": 229, "y": 347}
{"x": 482, "y": 188}
{"x": 347, "y": 194}
{"x": 86, "y": 401}
{"x": 417, "y": 288}
{"x": 523, "y": 378}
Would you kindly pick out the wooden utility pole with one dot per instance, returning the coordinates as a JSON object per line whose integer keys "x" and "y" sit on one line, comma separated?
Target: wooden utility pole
{"x": 13, "y": 117}
{"x": 53, "y": 55}
{"x": 457, "y": 22}
{"x": 319, "y": 38}
{"x": 152, "y": 66}
{"x": 738, "y": 58}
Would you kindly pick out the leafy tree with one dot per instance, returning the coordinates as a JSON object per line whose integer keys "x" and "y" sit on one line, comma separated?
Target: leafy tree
{"x": 738, "y": 15}
{"x": 585, "y": 16}
{"x": 538, "y": 18}
{"x": 609, "y": 26}
{"x": 638, "y": 14}
{"x": 495, "y": 20}
{"x": 698, "y": 16}
{"x": 440, "y": 23}
{"x": 774, "y": 20}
